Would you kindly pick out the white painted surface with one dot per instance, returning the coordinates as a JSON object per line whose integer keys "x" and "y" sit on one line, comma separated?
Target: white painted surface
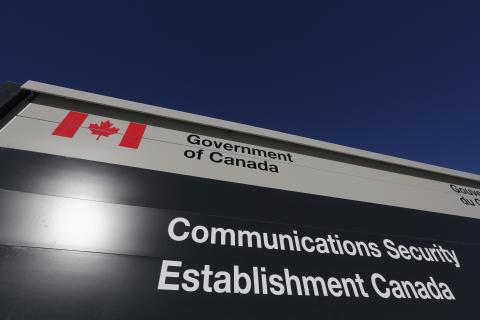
{"x": 216, "y": 123}
{"x": 163, "y": 150}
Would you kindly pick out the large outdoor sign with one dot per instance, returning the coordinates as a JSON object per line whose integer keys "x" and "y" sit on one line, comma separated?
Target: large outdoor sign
{"x": 104, "y": 216}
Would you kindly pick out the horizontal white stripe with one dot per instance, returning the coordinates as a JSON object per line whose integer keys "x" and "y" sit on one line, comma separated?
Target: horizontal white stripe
{"x": 163, "y": 150}
{"x": 228, "y": 125}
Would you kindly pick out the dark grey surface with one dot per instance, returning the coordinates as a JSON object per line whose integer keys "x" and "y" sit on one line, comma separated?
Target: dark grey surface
{"x": 12, "y": 100}
{"x": 85, "y": 240}
{"x": 82, "y": 179}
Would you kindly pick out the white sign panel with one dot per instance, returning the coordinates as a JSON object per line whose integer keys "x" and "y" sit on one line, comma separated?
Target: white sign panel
{"x": 46, "y": 129}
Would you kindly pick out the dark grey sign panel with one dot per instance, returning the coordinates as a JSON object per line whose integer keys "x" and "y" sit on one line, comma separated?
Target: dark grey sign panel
{"x": 171, "y": 246}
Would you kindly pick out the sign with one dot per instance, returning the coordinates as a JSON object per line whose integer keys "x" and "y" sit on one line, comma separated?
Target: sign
{"x": 106, "y": 214}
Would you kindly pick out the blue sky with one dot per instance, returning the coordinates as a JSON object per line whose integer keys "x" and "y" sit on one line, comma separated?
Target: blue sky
{"x": 395, "y": 77}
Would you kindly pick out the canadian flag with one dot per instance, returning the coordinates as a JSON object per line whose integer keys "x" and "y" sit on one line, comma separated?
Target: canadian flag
{"x": 73, "y": 122}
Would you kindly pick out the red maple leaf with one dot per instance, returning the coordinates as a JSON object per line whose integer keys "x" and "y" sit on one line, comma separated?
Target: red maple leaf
{"x": 105, "y": 129}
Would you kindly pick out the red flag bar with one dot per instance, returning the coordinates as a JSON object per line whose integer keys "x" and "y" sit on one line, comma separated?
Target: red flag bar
{"x": 133, "y": 136}
{"x": 70, "y": 124}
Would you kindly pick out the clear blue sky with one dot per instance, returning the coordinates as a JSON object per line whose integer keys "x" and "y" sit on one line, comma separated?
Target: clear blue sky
{"x": 396, "y": 77}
